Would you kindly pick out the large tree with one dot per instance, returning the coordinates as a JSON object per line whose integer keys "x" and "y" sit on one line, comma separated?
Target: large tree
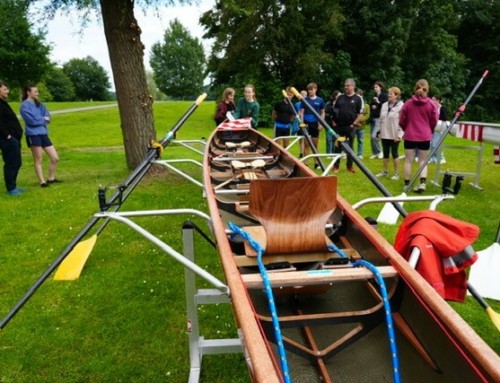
{"x": 126, "y": 53}
{"x": 89, "y": 78}
{"x": 23, "y": 52}
{"x": 178, "y": 63}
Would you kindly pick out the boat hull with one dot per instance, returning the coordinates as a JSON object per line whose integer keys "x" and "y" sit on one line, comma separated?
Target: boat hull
{"x": 333, "y": 328}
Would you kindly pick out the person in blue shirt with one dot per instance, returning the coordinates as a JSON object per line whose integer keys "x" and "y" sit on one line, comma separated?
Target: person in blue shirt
{"x": 36, "y": 118}
{"x": 313, "y": 126}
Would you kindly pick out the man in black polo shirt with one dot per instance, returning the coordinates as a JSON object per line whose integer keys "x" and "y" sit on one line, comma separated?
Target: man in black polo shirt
{"x": 350, "y": 108}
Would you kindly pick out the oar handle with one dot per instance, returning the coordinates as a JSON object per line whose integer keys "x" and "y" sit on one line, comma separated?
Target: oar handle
{"x": 170, "y": 135}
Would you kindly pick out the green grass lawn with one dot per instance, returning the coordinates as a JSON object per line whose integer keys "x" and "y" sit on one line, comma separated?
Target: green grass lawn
{"x": 125, "y": 318}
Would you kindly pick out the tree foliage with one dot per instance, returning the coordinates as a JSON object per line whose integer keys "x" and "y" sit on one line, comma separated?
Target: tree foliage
{"x": 271, "y": 43}
{"x": 479, "y": 40}
{"x": 89, "y": 79}
{"x": 24, "y": 54}
{"x": 60, "y": 86}
{"x": 276, "y": 43}
{"x": 178, "y": 63}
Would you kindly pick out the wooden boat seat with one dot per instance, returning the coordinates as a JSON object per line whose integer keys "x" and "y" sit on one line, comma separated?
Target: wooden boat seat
{"x": 251, "y": 170}
{"x": 294, "y": 212}
{"x": 236, "y": 145}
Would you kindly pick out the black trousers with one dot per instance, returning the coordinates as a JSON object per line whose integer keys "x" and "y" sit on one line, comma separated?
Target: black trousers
{"x": 11, "y": 154}
{"x": 348, "y": 133}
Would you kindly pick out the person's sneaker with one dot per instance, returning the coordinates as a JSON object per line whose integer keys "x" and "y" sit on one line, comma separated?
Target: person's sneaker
{"x": 443, "y": 161}
{"x": 373, "y": 156}
{"x": 15, "y": 191}
{"x": 335, "y": 170}
{"x": 419, "y": 188}
{"x": 44, "y": 185}
{"x": 351, "y": 170}
{"x": 360, "y": 157}
{"x": 382, "y": 174}
{"x": 301, "y": 155}
{"x": 395, "y": 177}
{"x": 316, "y": 166}
{"x": 54, "y": 181}
{"x": 380, "y": 155}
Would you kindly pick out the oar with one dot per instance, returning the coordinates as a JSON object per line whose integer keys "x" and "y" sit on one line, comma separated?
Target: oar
{"x": 385, "y": 192}
{"x": 304, "y": 130}
{"x": 443, "y": 135}
{"x": 351, "y": 153}
{"x": 494, "y": 316}
{"x": 118, "y": 198}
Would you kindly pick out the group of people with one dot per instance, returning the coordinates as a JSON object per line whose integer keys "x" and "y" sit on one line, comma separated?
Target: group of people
{"x": 391, "y": 121}
{"x": 36, "y": 118}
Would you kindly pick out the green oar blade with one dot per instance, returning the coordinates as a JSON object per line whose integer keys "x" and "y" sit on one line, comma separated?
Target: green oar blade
{"x": 71, "y": 268}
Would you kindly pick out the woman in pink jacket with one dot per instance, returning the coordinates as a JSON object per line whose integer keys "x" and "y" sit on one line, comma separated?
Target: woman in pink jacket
{"x": 418, "y": 119}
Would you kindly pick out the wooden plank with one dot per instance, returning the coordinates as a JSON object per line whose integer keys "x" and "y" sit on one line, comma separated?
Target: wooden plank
{"x": 315, "y": 277}
{"x": 243, "y": 260}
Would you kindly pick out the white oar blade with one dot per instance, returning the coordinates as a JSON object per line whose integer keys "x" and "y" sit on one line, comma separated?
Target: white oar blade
{"x": 389, "y": 214}
{"x": 485, "y": 272}
{"x": 72, "y": 266}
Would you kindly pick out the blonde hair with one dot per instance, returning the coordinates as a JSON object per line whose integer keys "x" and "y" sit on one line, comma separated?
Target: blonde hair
{"x": 251, "y": 86}
{"x": 395, "y": 90}
{"x": 421, "y": 88}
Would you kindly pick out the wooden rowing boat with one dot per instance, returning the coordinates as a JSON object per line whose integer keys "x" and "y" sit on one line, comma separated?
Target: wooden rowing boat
{"x": 331, "y": 314}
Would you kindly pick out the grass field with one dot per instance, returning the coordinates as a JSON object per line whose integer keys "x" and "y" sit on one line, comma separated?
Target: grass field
{"x": 124, "y": 320}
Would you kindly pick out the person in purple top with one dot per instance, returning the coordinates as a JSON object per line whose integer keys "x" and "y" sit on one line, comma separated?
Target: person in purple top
{"x": 418, "y": 118}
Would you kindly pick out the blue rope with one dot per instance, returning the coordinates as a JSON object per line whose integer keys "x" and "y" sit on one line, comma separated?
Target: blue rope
{"x": 387, "y": 308}
{"x": 388, "y": 317}
{"x": 270, "y": 298}
{"x": 335, "y": 249}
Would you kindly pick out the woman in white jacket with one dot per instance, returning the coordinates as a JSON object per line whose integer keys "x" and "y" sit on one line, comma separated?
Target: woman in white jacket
{"x": 391, "y": 133}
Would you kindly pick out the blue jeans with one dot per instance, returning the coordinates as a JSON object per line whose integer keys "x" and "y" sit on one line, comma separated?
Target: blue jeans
{"x": 374, "y": 127}
{"x": 11, "y": 154}
{"x": 359, "y": 135}
{"x": 435, "y": 139}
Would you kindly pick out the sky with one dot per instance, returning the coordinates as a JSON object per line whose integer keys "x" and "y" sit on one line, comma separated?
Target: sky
{"x": 69, "y": 40}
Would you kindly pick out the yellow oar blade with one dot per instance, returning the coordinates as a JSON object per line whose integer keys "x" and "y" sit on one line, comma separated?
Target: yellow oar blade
{"x": 494, "y": 316}
{"x": 71, "y": 268}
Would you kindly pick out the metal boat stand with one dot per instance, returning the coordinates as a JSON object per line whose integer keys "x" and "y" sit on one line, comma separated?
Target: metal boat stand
{"x": 198, "y": 345}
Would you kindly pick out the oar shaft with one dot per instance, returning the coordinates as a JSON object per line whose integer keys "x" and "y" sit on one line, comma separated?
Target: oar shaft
{"x": 351, "y": 153}
{"x": 305, "y": 132}
{"x": 124, "y": 191}
{"x": 443, "y": 135}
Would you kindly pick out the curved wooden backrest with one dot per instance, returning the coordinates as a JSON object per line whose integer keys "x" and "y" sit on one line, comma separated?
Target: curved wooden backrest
{"x": 294, "y": 212}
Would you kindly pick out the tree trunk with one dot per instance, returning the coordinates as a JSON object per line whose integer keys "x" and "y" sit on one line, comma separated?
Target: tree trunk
{"x": 126, "y": 53}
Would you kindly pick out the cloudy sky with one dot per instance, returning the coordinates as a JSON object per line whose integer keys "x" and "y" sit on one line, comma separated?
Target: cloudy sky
{"x": 69, "y": 40}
